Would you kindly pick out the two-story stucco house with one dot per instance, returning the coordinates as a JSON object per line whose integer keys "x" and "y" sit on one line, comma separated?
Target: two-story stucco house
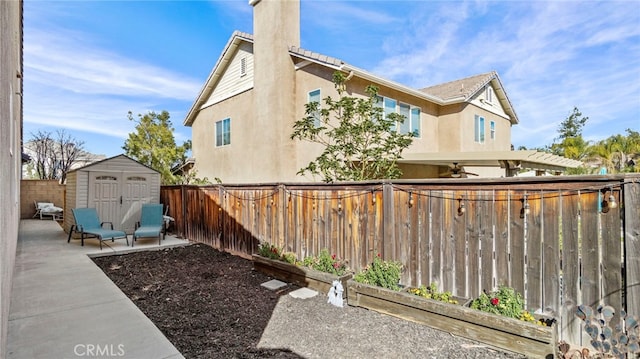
{"x": 243, "y": 117}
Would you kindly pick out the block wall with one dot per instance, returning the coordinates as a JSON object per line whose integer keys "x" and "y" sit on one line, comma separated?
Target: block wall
{"x": 40, "y": 191}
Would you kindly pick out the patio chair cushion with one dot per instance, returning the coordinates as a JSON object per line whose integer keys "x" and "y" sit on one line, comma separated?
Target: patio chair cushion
{"x": 87, "y": 222}
{"x": 151, "y": 223}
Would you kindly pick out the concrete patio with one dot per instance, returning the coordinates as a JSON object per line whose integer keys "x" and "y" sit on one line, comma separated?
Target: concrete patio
{"x": 64, "y": 306}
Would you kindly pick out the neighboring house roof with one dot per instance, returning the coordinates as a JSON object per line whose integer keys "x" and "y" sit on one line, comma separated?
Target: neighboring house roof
{"x": 443, "y": 94}
{"x": 185, "y": 167}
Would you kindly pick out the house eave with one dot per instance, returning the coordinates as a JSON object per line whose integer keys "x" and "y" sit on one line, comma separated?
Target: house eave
{"x": 503, "y": 159}
{"x": 216, "y": 73}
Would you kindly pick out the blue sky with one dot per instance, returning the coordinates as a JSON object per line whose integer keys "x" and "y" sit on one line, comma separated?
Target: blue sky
{"x": 87, "y": 63}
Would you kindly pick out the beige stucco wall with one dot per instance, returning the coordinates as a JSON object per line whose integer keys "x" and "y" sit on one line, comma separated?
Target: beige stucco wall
{"x": 315, "y": 76}
{"x": 10, "y": 152}
{"x": 262, "y": 117}
{"x": 443, "y": 128}
{"x": 228, "y": 163}
{"x": 502, "y": 141}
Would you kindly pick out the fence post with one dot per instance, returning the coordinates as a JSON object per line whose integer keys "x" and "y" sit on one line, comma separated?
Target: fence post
{"x": 631, "y": 193}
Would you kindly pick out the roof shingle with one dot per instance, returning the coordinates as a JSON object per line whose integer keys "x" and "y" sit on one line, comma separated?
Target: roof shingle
{"x": 460, "y": 88}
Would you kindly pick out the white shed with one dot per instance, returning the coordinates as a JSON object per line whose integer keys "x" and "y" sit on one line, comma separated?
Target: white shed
{"x": 117, "y": 187}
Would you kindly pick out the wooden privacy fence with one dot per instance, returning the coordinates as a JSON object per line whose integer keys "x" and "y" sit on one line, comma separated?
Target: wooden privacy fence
{"x": 560, "y": 241}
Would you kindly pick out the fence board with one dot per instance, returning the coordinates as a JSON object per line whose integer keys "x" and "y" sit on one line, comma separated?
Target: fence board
{"x": 413, "y": 239}
{"x": 388, "y": 213}
{"x": 475, "y": 205}
{"x": 460, "y": 244}
{"x": 500, "y": 247}
{"x": 424, "y": 247}
{"x": 590, "y": 248}
{"x": 448, "y": 244}
{"x": 551, "y": 254}
{"x": 632, "y": 246}
{"x": 517, "y": 242}
{"x": 534, "y": 251}
{"x": 570, "y": 265}
{"x": 437, "y": 219}
{"x": 612, "y": 257}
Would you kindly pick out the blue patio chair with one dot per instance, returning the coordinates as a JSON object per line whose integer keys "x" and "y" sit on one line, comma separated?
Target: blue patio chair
{"x": 88, "y": 224}
{"x": 151, "y": 223}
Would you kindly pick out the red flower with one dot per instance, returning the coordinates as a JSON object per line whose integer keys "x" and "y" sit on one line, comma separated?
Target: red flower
{"x": 379, "y": 255}
{"x": 333, "y": 256}
{"x": 495, "y": 301}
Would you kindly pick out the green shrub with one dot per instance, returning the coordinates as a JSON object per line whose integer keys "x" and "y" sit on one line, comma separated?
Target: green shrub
{"x": 504, "y": 301}
{"x": 327, "y": 263}
{"x": 385, "y": 274}
{"x": 431, "y": 292}
{"x": 269, "y": 250}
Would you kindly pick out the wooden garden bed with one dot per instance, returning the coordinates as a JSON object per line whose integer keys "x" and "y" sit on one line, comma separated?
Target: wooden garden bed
{"x": 298, "y": 275}
{"x": 526, "y": 338}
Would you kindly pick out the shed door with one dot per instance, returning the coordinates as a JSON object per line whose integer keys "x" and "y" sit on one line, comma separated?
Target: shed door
{"x": 104, "y": 195}
{"x": 118, "y": 197}
{"x": 136, "y": 191}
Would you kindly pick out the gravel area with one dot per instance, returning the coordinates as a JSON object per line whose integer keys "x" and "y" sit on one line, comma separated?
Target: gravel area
{"x": 210, "y": 304}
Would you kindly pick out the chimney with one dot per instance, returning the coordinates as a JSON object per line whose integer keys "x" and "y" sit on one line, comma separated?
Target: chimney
{"x": 276, "y": 27}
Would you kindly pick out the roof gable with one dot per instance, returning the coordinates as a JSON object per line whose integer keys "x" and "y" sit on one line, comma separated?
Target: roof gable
{"x": 216, "y": 73}
{"x": 463, "y": 90}
{"x": 466, "y": 87}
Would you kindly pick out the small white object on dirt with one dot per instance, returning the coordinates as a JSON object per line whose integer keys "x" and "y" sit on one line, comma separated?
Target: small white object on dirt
{"x": 335, "y": 294}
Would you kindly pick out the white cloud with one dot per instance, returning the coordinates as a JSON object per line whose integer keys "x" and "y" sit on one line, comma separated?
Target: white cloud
{"x": 551, "y": 56}
{"x": 72, "y": 83}
{"x": 66, "y": 60}
{"x": 344, "y": 15}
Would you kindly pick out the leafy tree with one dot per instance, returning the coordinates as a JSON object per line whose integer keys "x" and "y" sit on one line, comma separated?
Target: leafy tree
{"x": 617, "y": 152}
{"x": 154, "y": 145}
{"x": 191, "y": 177}
{"x": 53, "y": 155}
{"x": 572, "y": 126}
{"x": 569, "y": 142}
{"x": 359, "y": 142}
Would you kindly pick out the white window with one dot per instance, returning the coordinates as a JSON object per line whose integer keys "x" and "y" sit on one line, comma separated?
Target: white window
{"x": 243, "y": 66}
{"x": 489, "y": 94}
{"x": 415, "y": 121}
{"x": 492, "y": 127}
{"x": 405, "y": 110}
{"x": 479, "y": 129}
{"x": 411, "y": 115}
{"x": 223, "y": 132}
{"x": 314, "y": 96}
{"x": 389, "y": 108}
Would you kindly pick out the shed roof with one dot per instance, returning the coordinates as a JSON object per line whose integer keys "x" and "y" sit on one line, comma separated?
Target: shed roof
{"x": 121, "y": 156}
